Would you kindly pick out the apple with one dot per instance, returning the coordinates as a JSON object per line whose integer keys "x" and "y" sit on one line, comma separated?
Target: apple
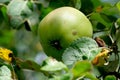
{"x": 60, "y": 28}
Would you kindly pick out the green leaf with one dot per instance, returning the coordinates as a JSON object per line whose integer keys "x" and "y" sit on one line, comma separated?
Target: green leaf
{"x": 75, "y": 3}
{"x": 27, "y": 64}
{"x": 33, "y": 21}
{"x": 45, "y": 3}
{"x": 82, "y": 69}
{"x": 23, "y": 12}
{"x": 96, "y": 3}
{"x": 67, "y": 76}
{"x": 100, "y": 21}
{"x": 4, "y": 12}
{"x": 4, "y": 1}
{"x": 81, "y": 49}
{"x": 112, "y": 2}
{"x": 111, "y": 67}
{"x": 118, "y": 21}
{"x": 6, "y": 36}
{"x": 5, "y": 73}
{"x": 105, "y": 36}
{"x": 110, "y": 11}
{"x": 118, "y": 5}
{"x": 87, "y": 6}
{"x": 78, "y": 4}
{"x": 87, "y": 76}
{"x": 110, "y": 77}
{"x": 19, "y": 11}
{"x": 51, "y": 64}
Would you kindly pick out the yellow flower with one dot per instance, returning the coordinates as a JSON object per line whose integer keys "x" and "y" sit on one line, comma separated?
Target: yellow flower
{"x": 101, "y": 58}
{"x": 6, "y": 54}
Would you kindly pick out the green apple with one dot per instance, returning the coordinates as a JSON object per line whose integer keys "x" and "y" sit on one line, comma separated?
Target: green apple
{"x": 61, "y": 27}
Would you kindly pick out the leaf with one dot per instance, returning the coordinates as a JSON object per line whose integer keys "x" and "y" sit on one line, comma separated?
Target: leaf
{"x": 78, "y": 4}
{"x": 5, "y": 73}
{"x": 22, "y": 12}
{"x": 99, "y": 22}
{"x": 110, "y": 11}
{"x": 86, "y": 6}
{"x": 33, "y": 21}
{"x": 18, "y": 11}
{"x": 118, "y": 21}
{"x": 112, "y": 2}
{"x": 27, "y": 64}
{"x": 4, "y": 12}
{"x": 45, "y": 3}
{"x": 118, "y": 5}
{"x": 4, "y": 1}
{"x": 105, "y": 35}
{"x": 75, "y": 3}
{"x": 87, "y": 76}
{"x": 82, "y": 70}
{"x": 51, "y": 64}
{"x": 96, "y": 3}
{"x": 112, "y": 66}
{"x": 67, "y": 76}
{"x": 80, "y": 67}
{"x": 110, "y": 77}
{"x": 81, "y": 49}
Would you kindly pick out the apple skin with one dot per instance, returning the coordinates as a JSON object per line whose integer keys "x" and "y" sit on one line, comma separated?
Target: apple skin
{"x": 61, "y": 27}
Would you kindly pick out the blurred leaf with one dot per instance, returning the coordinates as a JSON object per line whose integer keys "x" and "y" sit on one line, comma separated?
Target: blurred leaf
{"x": 75, "y": 3}
{"x": 45, "y": 11}
{"x": 99, "y": 21}
{"x": 118, "y": 33}
{"x": 51, "y": 64}
{"x": 1, "y": 14}
{"x": 110, "y": 77}
{"x": 111, "y": 10}
{"x": 81, "y": 67}
{"x": 87, "y": 6}
{"x": 21, "y": 11}
{"x": 104, "y": 35}
{"x": 87, "y": 76}
{"x": 4, "y": 12}
{"x": 118, "y": 5}
{"x": 18, "y": 11}
{"x": 67, "y": 76}
{"x": 118, "y": 21}
{"x": 96, "y": 3}
{"x": 112, "y": 66}
{"x": 5, "y": 73}
{"x": 58, "y": 3}
{"x": 82, "y": 70}
{"x": 45, "y": 3}
{"x": 81, "y": 49}
{"x": 113, "y": 32}
{"x": 33, "y": 22}
{"x": 78, "y": 4}
{"x": 111, "y": 2}
{"x": 4, "y": 1}
{"x": 30, "y": 5}
{"x": 6, "y": 37}
{"x": 27, "y": 64}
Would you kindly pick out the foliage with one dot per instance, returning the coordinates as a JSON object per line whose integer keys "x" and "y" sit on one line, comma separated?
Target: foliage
{"x": 5, "y": 73}
{"x": 19, "y": 21}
